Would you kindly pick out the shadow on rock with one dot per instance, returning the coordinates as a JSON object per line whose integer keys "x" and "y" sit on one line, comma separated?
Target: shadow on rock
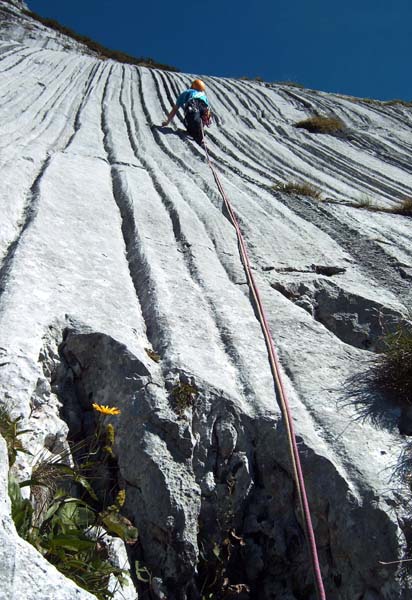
{"x": 170, "y": 131}
{"x": 371, "y": 403}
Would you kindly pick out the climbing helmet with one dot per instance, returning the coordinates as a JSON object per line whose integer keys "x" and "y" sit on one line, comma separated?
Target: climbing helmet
{"x": 198, "y": 85}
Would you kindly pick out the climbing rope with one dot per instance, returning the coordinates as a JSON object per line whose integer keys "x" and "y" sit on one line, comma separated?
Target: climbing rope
{"x": 275, "y": 367}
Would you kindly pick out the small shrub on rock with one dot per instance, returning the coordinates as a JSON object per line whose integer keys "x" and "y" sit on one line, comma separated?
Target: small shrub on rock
{"x": 298, "y": 189}
{"x": 321, "y": 124}
{"x": 403, "y": 207}
{"x": 394, "y": 366}
{"x": 184, "y": 396}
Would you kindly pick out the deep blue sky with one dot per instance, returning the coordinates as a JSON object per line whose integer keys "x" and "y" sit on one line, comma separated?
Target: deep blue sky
{"x": 358, "y": 47}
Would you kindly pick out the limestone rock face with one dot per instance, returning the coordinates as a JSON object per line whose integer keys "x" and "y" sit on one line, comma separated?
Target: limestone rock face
{"x": 114, "y": 244}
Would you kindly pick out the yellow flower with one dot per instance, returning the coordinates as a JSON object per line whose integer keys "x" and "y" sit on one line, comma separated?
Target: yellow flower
{"x": 106, "y": 410}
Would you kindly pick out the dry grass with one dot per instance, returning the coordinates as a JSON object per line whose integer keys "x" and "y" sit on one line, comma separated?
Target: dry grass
{"x": 394, "y": 102}
{"x": 397, "y": 101}
{"x": 319, "y": 124}
{"x": 247, "y": 78}
{"x": 374, "y": 102}
{"x": 294, "y": 84}
{"x": 403, "y": 207}
{"x": 152, "y": 354}
{"x": 298, "y": 189}
{"x": 366, "y": 203}
{"x": 394, "y": 368}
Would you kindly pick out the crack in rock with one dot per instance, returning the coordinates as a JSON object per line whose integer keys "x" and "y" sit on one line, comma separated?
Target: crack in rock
{"x": 355, "y": 319}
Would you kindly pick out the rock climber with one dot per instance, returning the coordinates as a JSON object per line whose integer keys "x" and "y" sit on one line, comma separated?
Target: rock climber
{"x": 196, "y": 108}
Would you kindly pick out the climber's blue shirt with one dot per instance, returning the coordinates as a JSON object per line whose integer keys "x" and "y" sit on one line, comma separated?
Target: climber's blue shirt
{"x": 189, "y": 95}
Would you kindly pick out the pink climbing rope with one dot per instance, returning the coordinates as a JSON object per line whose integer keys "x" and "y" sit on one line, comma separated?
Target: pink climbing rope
{"x": 275, "y": 367}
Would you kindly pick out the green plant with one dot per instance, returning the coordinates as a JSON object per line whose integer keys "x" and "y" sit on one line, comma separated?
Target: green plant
{"x": 68, "y": 539}
{"x": 69, "y": 530}
{"x": 298, "y": 189}
{"x": 117, "y": 524}
{"x": 394, "y": 365}
{"x": 70, "y": 534}
{"x": 21, "y": 508}
{"x": 183, "y": 395}
{"x": 11, "y": 432}
{"x": 142, "y": 573}
{"x": 319, "y": 124}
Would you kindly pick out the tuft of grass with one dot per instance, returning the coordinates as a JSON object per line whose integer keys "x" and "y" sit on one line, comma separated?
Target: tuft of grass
{"x": 374, "y": 102}
{"x": 319, "y": 124}
{"x": 152, "y": 354}
{"x": 247, "y": 78}
{"x": 396, "y": 101}
{"x": 403, "y": 207}
{"x": 99, "y": 49}
{"x": 294, "y": 84}
{"x": 394, "y": 364}
{"x": 298, "y": 189}
{"x": 365, "y": 202}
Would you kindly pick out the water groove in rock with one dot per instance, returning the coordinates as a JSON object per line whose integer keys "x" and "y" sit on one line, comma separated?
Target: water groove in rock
{"x": 29, "y": 214}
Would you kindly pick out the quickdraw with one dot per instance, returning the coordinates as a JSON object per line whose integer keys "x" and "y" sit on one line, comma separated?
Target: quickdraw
{"x": 206, "y": 117}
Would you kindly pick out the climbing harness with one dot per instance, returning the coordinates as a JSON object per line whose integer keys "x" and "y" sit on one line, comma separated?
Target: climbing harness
{"x": 197, "y": 115}
{"x": 198, "y": 106}
{"x": 275, "y": 367}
